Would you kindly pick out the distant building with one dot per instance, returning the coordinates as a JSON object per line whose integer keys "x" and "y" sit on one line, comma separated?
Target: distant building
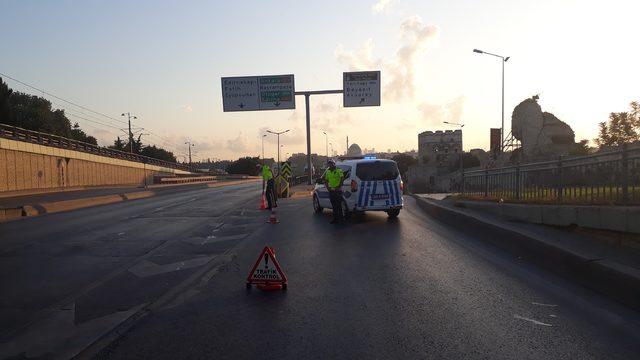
{"x": 439, "y": 148}
{"x": 354, "y": 150}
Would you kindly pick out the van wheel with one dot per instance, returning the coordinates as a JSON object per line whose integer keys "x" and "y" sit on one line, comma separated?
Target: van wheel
{"x": 316, "y": 205}
{"x": 345, "y": 210}
{"x": 393, "y": 213}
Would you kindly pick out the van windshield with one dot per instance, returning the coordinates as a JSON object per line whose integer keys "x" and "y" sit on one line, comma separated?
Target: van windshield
{"x": 377, "y": 170}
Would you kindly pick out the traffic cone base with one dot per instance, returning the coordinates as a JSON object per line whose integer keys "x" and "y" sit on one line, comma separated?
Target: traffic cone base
{"x": 272, "y": 218}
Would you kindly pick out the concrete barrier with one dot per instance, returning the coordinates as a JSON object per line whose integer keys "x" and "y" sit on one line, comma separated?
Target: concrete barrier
{"x": 619, "y": 282}
{"x": 616, "y": 218}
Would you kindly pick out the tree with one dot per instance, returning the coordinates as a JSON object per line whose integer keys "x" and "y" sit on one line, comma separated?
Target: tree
{"x": 404, "y": 162}
{"x": 580, "y": 148}
{"x": 118, "y": 144}
{"x": 622, "y": 128}
{"x": 158, "y": 153}
{"x": 244, "y": 166}
{"x": 78, "y": 134}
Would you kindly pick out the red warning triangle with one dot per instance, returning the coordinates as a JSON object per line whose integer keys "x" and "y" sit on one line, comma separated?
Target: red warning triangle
{"x": 266, "y": 269}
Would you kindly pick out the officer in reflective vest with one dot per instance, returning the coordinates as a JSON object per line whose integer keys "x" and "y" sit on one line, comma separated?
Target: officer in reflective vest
{"x": 270, "y": 192}
{"x": 333, "y": 178}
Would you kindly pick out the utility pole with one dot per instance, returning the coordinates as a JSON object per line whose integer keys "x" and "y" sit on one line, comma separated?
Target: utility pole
{"x": 263, "y": 136}
{"x": 129, "y": 117}
{"x": 347, "y": 152}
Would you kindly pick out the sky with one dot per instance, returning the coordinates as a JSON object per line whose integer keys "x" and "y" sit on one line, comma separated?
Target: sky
{"x": 163, "y": 60}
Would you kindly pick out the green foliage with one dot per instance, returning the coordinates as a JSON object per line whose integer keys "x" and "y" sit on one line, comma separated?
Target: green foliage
{"x": 244, "y": 166}
{"x": 35, "y": 113}
{"x": 404, "y": 162}
{"x": 622, "y": 128}
{"x": 580, "y": 148}
{"x": 158, "y": 153}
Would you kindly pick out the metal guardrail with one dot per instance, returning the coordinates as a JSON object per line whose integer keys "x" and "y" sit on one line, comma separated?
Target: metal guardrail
{"x": 611, "y": 177}
{"x": 194, "y": 179}
{"x": 34, "y": 137}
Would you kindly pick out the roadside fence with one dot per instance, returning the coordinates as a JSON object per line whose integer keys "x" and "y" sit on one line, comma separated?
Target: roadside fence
{"x": 611, "y": 177}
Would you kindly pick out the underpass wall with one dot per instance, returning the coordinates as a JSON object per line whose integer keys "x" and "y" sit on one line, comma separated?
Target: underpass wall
{"x": 28, "y": 167}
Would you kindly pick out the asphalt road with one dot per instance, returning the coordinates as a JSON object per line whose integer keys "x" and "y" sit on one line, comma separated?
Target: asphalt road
{"x": 68, "y": 278}
{"x": 373, "y": 288}
{"x": 410, "y": 289}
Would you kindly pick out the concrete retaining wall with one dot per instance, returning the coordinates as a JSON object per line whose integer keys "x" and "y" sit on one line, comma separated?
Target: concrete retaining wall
{"x": 617, "y": 218}
{"x": 31, "y": 167}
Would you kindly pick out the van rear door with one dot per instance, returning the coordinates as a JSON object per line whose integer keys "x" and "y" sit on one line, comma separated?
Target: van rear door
{"x": 379, "y": 186}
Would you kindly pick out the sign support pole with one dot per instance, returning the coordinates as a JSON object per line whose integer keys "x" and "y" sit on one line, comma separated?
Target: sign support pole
{"x": 307, "y": 95}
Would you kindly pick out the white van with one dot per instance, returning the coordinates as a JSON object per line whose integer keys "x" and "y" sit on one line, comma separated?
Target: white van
{"x": 370, "y": 185}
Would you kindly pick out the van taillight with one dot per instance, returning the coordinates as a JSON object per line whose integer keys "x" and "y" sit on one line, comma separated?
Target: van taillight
{"x": 401, "y": 186}
{"x": 354, "y": 186}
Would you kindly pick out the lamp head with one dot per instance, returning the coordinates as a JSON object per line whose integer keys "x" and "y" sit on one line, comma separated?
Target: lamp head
{"x": 478, "y": 51}
{"x": 506, "y": 59}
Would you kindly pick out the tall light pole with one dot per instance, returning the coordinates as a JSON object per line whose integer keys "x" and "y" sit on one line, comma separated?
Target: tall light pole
{"x": 503, "y": 60}
{"x": 326, "y": 143}
{"x": 189, "y": 145}
{"x": 263, "y": 136}
{"x": 278, "y": 134}
{"x": 331, "y": 144}
{"x": 129, "y": 117}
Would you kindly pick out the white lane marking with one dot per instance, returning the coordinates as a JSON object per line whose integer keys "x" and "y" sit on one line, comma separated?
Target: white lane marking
{"x": 121, "y": 233}
{"x": 542, "y": 304}
{"x": 531, "y": 320}
{"x": 551, "y": 315}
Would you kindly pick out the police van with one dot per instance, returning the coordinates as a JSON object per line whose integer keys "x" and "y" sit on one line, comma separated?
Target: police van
{"x": 370, "y": 185}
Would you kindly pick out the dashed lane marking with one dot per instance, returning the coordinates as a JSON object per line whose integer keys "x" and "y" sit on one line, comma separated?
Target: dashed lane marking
{"x": 531, "y": 320}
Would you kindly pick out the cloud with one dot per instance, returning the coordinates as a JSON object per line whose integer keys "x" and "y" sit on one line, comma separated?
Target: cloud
{"x": 399, "y": 73}
{"x": 362, "y": 59}
{"x": 186, "y": 108}
{"x": 328, "y": 117}
{"x": 435, "y": 115}
{"x": 381, "y": 6}
{"x": 239, "y": 144}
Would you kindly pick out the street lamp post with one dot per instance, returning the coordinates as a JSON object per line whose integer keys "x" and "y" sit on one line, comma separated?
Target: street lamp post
{"x": 189, "y": 145}
{"x": 326, "y": 143}
{"x": 278, "y": 134}
{"x": 503, "y": 60}
{"x": 263, "y": 136}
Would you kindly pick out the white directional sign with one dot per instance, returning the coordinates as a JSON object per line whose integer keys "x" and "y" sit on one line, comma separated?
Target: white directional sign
{"x": 361, "y": 88}
{"x": 251, "y": 93}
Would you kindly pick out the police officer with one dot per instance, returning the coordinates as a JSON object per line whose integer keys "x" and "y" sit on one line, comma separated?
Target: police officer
{"x": 267, "y": 180}
{"x": 333, "y": 182}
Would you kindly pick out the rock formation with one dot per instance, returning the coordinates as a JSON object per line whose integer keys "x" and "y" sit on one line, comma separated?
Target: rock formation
{"x": 541, "y": 134}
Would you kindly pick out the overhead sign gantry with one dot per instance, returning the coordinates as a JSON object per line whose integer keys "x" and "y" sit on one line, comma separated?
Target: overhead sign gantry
{"x": 277, "y": 92}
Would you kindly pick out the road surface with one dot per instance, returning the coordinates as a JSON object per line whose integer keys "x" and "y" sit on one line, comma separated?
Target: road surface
{"x": 373, "y": 288}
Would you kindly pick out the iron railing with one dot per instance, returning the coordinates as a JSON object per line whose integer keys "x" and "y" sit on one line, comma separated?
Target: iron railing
{"x": 611, "y": 177}
{"x": 20, "y": 134}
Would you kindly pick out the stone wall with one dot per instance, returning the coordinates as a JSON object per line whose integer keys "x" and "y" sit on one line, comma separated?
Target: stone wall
{"x": 27, "y": 167}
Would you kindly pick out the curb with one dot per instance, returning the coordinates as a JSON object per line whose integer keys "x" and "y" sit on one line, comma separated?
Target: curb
{"x": 618, "y": 282}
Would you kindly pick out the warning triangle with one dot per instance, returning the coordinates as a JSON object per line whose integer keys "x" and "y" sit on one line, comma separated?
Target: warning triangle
{"x": 266, "y": 269}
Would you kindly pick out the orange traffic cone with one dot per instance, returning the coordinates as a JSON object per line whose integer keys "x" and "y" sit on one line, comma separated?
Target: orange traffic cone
{"x": 272, "y": 218}
{"x": 263, "y": 204}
